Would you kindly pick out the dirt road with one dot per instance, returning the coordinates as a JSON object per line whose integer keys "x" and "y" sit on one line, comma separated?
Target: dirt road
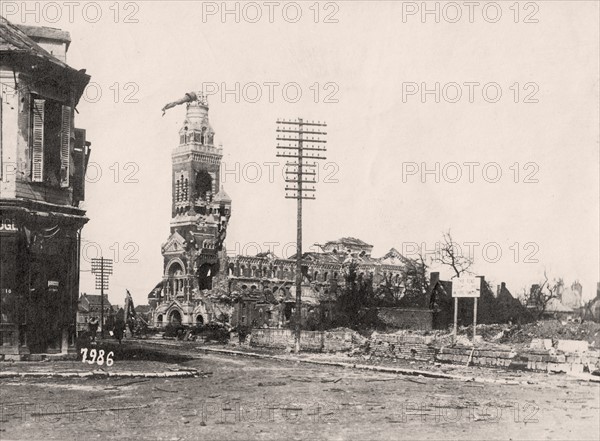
{"x": 246, "y": 398}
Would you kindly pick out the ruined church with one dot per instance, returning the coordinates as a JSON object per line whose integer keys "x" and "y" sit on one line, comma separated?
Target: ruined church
{"x": 193, "y": 255}
{"x": 200, "y": 283}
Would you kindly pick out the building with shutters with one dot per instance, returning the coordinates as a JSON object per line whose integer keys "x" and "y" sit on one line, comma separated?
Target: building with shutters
{"x": 43, "y": 158}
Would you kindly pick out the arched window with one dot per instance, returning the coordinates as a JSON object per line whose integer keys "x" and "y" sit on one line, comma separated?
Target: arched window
{"x": 325, "y": 275}
{"x": 316, "y": 276}
{"x": 203, "y": 184}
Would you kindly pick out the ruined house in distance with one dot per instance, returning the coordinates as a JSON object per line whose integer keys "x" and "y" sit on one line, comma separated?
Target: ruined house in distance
{"x": 264, "y": 285}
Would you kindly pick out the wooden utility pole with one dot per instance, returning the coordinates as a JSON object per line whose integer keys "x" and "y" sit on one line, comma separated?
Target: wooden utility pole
{"x": 102, "y": 268}
{"x": 301, "y": 141}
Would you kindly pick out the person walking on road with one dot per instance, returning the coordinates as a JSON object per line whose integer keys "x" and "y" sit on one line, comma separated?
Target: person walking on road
{"x": 93, "y": 328}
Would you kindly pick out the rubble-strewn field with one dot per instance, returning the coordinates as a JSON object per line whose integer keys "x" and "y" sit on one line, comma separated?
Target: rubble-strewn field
{"x": 249, "y": 398}
{"x": 522, "y": 335}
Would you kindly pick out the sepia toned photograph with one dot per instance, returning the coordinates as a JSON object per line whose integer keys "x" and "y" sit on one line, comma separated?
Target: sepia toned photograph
{"x": 300, "y": 220}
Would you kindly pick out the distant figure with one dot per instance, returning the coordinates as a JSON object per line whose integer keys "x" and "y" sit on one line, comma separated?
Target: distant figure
{"x": 119, "y": 328}
{"x": 93, "y": 328}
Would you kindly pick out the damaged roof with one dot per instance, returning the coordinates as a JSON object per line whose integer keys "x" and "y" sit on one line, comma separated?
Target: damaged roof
{"x": 14, "y": 39}
{"x": 47, "y": 33}
{"x": 18, "y": 49}
{"x": 349, "y": 241}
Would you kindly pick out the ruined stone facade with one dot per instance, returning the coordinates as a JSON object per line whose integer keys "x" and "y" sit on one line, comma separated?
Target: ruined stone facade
{"x": 43, "y": 159}
{"x": 200, "y": 283}
{"x": 193, "y": 255}
{"x": 264, "y": 285}
{"x": 324, "y": 270}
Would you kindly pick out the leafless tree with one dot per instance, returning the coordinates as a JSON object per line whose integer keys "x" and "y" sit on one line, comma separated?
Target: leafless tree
{"x": 543, "y": 293}
{"x": 414, "y": 278}
{"x": 451, "y": 255}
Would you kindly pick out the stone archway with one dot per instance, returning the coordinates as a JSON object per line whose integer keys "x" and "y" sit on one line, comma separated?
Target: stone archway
{"x": 199, "y": 319}
{"x": 175, "y": 317}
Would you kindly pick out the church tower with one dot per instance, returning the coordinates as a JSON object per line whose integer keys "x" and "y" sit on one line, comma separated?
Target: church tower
{"x": 193, "y": 255}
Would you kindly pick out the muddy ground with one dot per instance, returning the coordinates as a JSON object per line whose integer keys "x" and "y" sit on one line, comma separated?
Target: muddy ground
{"x": 242, "y": 398}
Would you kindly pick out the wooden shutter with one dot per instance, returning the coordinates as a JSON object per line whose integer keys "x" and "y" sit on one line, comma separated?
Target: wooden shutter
{"x": 1, "y": 168}
{"x": 37, "y": 153}
{"x": 65, "y": 142}
{"x": 80, "y": 155}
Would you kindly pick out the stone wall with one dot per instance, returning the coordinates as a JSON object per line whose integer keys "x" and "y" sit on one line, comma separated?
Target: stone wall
{"x": 479, "y": 357}
{"x": 317, "y": 341}
{"x": 415, "y": 347}
{"x": 426, "y": 348}
{"x": 405, "y": 318}
{"x": 536, "y": 360}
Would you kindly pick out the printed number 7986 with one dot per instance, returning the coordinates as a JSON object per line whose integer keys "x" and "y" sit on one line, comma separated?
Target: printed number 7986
{"x": 97, "y": 357}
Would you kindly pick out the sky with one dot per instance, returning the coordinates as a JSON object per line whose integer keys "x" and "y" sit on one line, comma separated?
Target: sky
{"x": 504, "y": 154}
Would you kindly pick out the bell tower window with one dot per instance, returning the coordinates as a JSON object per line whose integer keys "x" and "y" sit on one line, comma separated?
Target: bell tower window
{"x": 203, "y": 184}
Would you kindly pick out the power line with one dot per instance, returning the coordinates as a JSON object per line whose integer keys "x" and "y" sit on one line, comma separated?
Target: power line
{"x": 299, "y": 173}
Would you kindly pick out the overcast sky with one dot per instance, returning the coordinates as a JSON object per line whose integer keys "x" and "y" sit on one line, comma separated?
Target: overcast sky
{"x": 370, "y": 67}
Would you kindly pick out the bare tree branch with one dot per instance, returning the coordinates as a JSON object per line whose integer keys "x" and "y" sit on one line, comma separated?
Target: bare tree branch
{"x": 540, "y": 299}
{"x": 451, "y": 255}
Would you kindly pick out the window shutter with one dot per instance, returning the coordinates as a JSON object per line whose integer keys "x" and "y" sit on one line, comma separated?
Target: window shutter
{"x": 65, "y": 142}
{"x": 37, "y": 154}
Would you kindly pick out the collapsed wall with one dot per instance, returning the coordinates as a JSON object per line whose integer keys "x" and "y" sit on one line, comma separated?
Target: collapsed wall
{"x": 569, "y": 356}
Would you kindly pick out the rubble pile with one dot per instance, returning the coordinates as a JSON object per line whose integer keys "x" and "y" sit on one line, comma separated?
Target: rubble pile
{"x": 555, "y": 330}
{"x": 524, "y": 334}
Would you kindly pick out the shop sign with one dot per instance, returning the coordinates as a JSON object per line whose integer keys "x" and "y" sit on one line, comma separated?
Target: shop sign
{"x": 7, "y": 225}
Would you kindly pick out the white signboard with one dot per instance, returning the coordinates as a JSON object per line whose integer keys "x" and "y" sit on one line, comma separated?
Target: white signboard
{"x": 466, "y": 287}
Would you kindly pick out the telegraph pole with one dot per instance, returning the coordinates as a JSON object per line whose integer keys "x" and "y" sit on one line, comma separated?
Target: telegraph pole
{"x": 102, "y": 296}
{"x": 301, "y": 141}
{"x": 102, "y": 268}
